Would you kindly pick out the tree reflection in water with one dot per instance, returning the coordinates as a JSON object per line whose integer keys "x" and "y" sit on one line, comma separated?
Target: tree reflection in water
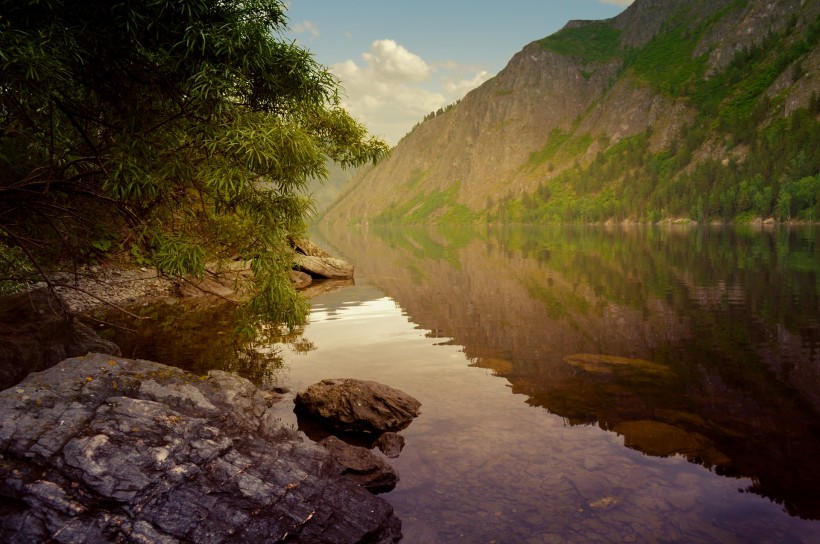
{"x": 198, "y": 335}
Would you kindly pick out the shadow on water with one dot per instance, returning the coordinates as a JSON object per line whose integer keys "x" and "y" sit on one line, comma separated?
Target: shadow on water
{"x": 700, "y": 342}
{"x": 198, "y": 335}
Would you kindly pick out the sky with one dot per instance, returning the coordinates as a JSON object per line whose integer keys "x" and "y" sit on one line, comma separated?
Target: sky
{"x": 399, "y": 60}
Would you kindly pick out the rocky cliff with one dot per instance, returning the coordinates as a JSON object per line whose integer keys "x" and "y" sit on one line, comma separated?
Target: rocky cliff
{"x": 685, "y": 82}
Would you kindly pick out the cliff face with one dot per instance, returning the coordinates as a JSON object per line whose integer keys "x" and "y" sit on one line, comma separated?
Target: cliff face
{"x": 562, "y": 101}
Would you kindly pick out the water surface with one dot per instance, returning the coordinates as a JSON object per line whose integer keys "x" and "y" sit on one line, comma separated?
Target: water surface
{"x": 577, "y": 384}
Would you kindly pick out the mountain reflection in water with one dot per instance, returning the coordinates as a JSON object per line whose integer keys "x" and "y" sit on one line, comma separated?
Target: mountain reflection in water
{"x": 692, "y": 347}
{"x": 703, "y": 342}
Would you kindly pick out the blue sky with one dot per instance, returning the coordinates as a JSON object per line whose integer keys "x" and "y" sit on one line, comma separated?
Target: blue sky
{"x": 398, "y": 60}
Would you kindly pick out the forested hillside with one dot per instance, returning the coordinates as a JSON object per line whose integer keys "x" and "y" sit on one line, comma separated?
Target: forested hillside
{"x": 673, "y": 110}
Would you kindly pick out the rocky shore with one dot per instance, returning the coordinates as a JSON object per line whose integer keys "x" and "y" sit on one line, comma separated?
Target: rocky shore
{"x": 97, "y": 448}
{"x": 106, "y": 449}
{"x": 94, "y": 286}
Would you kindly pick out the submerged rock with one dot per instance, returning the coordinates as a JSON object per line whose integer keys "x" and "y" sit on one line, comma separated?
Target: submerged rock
{"x": 105, "y": 449}
{"x": 349, "y": 405}
{"x": 663, "y": 440}
{"x": 361, "y": 465}
{"x": 611, "y": 364}
{"x": 390, "y": 444}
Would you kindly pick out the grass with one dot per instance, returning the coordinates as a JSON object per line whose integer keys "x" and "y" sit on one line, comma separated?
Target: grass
{"x": 595, "y": 41}
{"x": 555, "y": 140}
{"x": 436, "y": 207}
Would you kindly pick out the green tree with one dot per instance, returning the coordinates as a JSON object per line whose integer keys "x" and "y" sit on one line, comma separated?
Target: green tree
{"x": 177, "y": 131}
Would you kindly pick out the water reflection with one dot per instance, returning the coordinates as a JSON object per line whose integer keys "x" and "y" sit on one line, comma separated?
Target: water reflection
{"x": 703, "y": 343}
{"x": 656, "y": 383}
{"x": 198, "y": 335}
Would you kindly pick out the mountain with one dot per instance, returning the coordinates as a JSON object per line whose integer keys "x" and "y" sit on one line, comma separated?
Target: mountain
{"x": 701, "y": 109}
{"x": 324, "y": 192}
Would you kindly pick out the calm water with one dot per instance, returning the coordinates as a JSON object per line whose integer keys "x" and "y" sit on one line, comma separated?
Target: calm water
{"x": 578, "y": 385}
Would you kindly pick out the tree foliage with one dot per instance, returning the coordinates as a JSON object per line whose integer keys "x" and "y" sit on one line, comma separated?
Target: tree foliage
{"x": 175, "y": 131}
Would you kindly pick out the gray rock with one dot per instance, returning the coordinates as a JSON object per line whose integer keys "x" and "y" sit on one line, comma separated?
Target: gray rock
{"x": 316, "y": 262}
{"x": 303, "y": 246}
{"x": 103, "y": 449}
{"x": 323, "y": 267}
{"x": 361, "y": 465}
{"x": 349, "y": 405}
{"x": 300, "y": 280}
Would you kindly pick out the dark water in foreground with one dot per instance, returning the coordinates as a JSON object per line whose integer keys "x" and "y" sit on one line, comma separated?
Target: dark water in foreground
{"x": 578, "y": 385}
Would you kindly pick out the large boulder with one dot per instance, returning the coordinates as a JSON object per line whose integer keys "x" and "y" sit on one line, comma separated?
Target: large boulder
{"x": 34, "y": 335}
{"x": 350, "y": 405}
{"x": 323, "y": 267}
{"x": 102, "y": 449}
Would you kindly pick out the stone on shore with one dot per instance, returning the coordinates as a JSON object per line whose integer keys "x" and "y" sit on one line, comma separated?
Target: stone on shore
{"x": 313, "y": 260}
{"x": 103, "y": 449}
{"x": 349, "y": 405}
{"x": 323, "y": 267}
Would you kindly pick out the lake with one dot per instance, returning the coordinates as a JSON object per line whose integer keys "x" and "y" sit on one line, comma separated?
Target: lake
{"x": 578, "y": 384}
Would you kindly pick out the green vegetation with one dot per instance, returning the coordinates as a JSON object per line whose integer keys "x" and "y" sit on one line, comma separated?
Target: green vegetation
{"x": 416, "y": 177}
{"x": 593, "y": 41}
{"x": 556, "y": 139}
{"x": 437, "y": 207}
{"x": 740, "y": 152}
{"x": 169, "y": 133}
{"x": 779, "y": 178}
{"x": 773, "y": 169}
{"x": 667, "y": 62}
{"x": 16, "y": 271}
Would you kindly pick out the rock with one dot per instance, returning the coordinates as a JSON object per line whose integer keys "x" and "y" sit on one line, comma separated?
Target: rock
{"x": 390, "y": 444}
{"x": 103, "y": 449}
{"x": 300, "y": 280}
{"x": 349, "y": 405}
{"x": 193, "y": 287}
{"x": 663, "y": 440}
{"x": 34, "y": 336}
{"x": 313, "y": 260}
{"x": 86, "y": 289}
{"x": 221, "y": 279}
{"x": 361, "y": 465}
{"x": 323, "y": 267}
{"x": 306, "y": 247}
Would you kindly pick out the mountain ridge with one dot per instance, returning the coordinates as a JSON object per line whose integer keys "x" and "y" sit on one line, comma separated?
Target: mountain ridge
{"x": 612, "y": 119}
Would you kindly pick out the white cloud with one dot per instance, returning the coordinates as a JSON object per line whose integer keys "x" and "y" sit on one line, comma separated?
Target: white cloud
{"x": 463, "y": 86}
{"x": 393, "y": 61}
{"x": 307, "y": 27}
{"x": 391, "y": 89}
{"x": 617, "y": 2}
